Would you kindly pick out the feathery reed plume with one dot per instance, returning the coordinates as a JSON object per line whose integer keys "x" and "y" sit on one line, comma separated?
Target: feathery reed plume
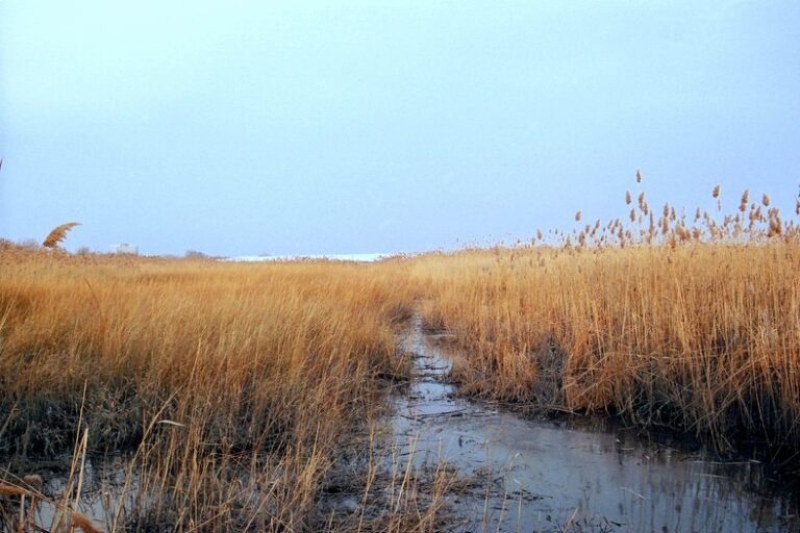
{"x": 775, "y": 226}
{"x": 628, "y": 197}
{"x": 743, "y": 201}
{"x": 683, "y": 235}
{"x": 578, "y": 216}
{"x": 765, "y": 200}
{"x": 58, "y": 234}
{"x": 638, "y": 176}
{"x": 643, "y": 204}
{"x": 715, "y": 195}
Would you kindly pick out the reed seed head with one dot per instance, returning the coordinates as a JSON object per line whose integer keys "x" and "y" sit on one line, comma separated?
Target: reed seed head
{"x": 58, "y": 234}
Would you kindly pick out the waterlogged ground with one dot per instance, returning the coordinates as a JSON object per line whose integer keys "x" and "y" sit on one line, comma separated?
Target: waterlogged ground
{"x": 545, "y": 476}
{"x": 501, "y": 472}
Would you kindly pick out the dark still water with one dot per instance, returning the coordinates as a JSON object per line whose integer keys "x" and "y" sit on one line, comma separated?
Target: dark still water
{"x": 542, "y": 476}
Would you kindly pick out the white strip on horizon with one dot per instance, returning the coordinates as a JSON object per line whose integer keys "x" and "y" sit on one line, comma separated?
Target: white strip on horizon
{"x": 361, "y": 258}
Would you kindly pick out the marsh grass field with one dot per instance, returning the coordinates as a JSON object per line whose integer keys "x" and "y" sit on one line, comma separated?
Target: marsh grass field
{"x": 242, "y": 395}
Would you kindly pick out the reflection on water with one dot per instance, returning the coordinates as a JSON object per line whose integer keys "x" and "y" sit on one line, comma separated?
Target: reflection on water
{"x": 523, "y": 475}
{"x": 108, "y": 490}
{"x": 538, "y": 476}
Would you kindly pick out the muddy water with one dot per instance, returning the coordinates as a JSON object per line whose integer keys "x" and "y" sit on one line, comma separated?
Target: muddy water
{"x": 537, "y": 476}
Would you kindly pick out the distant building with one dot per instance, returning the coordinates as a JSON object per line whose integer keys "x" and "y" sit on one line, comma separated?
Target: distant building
{"x": 124, "y": 249}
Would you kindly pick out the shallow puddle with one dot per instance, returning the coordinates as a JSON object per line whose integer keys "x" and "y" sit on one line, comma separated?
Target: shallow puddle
{"x": 542, "y": 476}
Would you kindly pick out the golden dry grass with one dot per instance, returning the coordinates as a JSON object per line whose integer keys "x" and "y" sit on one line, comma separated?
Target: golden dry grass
{"x": 221, "y": 377}
{"x": 690, "y": 325}
{"x": 211, "y": 373}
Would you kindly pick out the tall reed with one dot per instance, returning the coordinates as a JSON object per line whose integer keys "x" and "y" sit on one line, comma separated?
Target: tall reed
{"x": 235, "y": 387}
{"x": 690, "y": 325}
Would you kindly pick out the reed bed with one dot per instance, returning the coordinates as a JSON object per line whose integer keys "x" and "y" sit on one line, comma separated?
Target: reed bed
{"x": 233, "y": 388}
{"x": 239, "y": 394}
{"x": 688, "y": 325}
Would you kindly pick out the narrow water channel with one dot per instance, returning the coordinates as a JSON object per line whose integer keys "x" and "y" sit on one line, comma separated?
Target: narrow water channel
{"x": 542, "y": 476}
{"x": 521, "y": 475}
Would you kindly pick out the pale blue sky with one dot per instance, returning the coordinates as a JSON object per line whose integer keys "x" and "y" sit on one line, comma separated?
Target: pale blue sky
{"x": 239, "y": 128}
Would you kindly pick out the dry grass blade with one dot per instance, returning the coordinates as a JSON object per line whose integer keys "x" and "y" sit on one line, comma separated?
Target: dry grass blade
{"x": 58, "y": 234}
{"x": 77, "y": 520}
